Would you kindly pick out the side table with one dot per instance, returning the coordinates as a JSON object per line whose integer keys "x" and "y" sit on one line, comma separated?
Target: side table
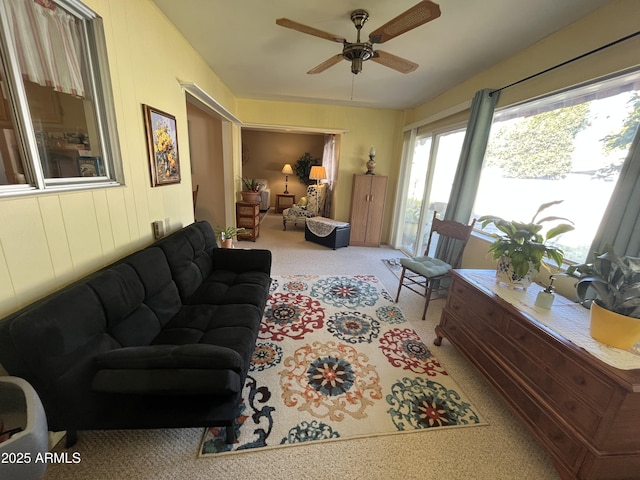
{"x": 248, "y": 217}
{"x": 280, "y": 207}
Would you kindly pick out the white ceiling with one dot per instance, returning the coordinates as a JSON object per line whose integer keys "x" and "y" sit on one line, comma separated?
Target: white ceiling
{"x": 258, "y": 59}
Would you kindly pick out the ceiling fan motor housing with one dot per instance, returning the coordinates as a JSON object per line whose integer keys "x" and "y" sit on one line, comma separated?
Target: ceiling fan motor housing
{"x": 357, "y": 53}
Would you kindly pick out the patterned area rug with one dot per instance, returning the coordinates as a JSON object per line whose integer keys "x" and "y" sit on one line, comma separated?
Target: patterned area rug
{"x": 394, "y": 265}
{"x": 337, "y": 359}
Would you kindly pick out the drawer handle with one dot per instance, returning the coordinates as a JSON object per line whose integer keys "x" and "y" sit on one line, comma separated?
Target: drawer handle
{"x": 579, "y": 379}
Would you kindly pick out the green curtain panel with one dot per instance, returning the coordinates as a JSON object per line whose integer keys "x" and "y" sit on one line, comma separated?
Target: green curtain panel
{"x": 467, "y": 178}
{"x": 620, "y": 226}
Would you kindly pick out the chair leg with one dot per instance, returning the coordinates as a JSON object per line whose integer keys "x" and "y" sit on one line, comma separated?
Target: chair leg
{"x": 400, "y": 284}
{"x": 428, "y": 292}
{"x": 284, "y": 223}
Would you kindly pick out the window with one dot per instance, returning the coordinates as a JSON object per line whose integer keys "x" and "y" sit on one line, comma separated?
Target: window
{"x": 57, "y": 125}
{"x": 568, "y": 146}
{"x": 433, "y": 165}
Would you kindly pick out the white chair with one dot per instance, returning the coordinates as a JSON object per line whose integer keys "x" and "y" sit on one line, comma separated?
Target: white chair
{"x": 316, "y": 195}
{"x": 265, "y": 194}
{"x": 21, "y": 411}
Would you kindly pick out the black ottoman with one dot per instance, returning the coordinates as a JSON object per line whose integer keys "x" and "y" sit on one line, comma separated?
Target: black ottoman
{"x": 328, "y": 232}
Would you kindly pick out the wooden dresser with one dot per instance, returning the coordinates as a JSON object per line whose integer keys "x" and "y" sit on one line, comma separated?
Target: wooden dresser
{"x": 585, "y": 412}
{"x": 248, "y": 217}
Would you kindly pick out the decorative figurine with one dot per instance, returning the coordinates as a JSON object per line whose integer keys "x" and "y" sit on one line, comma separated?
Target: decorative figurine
{"x": 371, "y": 164}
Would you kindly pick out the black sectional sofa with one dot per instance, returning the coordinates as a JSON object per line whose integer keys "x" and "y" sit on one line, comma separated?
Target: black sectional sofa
{"x": 160, "y": 339}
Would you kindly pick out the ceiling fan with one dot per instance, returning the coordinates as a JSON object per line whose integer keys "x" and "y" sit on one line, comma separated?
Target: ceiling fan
{"x": 358, "y": 52}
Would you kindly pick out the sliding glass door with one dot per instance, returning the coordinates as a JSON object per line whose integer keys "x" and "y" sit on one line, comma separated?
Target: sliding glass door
{"x": 430, "y": 162}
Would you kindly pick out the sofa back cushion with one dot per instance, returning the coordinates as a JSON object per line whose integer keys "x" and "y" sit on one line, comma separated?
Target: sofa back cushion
{"x": 138, "y": 297}
{"x": 57, "y": 337}
{"x": 188, "y": 253}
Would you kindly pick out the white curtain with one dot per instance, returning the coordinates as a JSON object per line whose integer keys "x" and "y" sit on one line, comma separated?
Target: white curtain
{"x": 48, "y": 44}
{"x": 330, "y": 165}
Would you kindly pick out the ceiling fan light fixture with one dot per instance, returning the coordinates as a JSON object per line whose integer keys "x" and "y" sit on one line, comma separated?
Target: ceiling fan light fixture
{"x": 356, "y": 66}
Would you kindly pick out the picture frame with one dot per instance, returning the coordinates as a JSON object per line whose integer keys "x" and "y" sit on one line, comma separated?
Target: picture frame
{"x": 90, "y": 167}
{"x": 162, "y": 146}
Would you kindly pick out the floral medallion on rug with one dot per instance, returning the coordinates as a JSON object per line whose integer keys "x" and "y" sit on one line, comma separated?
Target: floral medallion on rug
{"x": 335, "y": 359}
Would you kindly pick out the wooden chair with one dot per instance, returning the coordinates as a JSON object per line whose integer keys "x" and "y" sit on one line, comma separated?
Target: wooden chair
{"x": 424, "y": 275}
{"x": 195, "y": 198}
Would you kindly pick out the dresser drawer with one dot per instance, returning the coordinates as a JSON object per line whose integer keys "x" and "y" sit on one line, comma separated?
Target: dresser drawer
{"x": 465, "y": 296}
{"x": 248, "y": 209}
{"x": 250, "y": 234}
{"x": 564, "y": 397}
{"x": 558, "y": 441}
{"x": 248, "y": 222}
{"x": 577, "y": 378}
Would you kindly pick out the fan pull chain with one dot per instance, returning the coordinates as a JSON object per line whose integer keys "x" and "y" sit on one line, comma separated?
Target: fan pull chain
{"x": 353, "y": 79}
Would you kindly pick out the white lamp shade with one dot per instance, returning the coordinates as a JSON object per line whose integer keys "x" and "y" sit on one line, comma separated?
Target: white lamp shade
{"x": 287, "y": 170}
{"x": 317, "y": 173}
{"x": 372, "y": 151}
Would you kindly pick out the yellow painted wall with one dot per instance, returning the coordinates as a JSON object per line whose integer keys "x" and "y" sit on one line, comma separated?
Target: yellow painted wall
{"x": 48, "y": 240}
{"x": 606, "y": 25}
{"x": 365, "y": 127}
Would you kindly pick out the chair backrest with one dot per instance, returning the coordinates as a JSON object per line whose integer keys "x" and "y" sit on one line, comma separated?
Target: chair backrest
{"x": 316, "y": 195}
{"x": 458, "y": 233}
{"x": 195, "y": 197}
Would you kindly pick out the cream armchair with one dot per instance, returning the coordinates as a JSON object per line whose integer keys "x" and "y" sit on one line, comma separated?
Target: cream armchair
{"x": 265, "y": 194}
{"x": 316, "y": 195}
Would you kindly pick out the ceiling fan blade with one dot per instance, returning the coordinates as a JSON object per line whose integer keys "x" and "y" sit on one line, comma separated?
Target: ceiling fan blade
{"x": 397, "y": 63}
{"x": 417, "y": 15}
{"x": 326, "y": 64}
{"x": 285, "y": 22}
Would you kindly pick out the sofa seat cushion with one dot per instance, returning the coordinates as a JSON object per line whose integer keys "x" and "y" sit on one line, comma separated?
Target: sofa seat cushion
{"x": 225, "y": 287}
{"x": 230, "y": 326}
{"x": 169, "y": 369}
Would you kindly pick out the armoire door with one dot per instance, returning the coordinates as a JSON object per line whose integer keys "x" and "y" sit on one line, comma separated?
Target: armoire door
{"x": 367, "y": 209}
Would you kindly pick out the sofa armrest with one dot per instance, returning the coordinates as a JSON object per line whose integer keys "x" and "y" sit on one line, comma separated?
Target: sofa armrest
{"x": 194, "y": 369}
{"x": 170, "y": 356}
{"x": 240, "y": 260}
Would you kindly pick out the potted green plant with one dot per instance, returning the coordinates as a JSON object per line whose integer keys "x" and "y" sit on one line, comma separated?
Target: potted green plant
{"x": 225, "y": 235}
{"x": 610, "y": 287}
{"x": 302, "y": 167}
{"x": 520, "y": 247}
{"x": 250, "y": 189}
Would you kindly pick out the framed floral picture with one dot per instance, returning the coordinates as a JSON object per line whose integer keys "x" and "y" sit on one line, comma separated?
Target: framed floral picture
{"x": 162, "y": 145}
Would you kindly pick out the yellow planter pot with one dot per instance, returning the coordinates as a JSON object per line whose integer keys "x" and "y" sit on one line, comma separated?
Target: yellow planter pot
{"x": 613, "y": 328}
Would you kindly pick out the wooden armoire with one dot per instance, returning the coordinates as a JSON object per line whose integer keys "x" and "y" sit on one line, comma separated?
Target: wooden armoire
{"x": 367, "y": 209}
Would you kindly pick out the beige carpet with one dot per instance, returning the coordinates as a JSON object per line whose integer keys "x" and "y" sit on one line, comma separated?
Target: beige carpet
{"x": 503, "y": 450}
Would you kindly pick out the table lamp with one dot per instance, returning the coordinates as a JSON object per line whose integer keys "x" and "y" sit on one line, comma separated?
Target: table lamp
{"x": 317, "y": 173}
{"x": 287, "y": 170}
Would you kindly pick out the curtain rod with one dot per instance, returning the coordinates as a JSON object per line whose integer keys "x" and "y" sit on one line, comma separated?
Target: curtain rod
{"x": 615, "y": 42}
